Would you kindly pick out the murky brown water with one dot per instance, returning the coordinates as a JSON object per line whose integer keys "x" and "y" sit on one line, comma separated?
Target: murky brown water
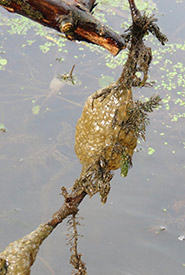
{"x": 37, "y": 157}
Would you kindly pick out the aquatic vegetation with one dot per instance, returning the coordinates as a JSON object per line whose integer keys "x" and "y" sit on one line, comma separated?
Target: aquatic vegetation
{"x": 2, "y": 127}
{"x": 72, "y": 238}
{"x": 3, "y": 63}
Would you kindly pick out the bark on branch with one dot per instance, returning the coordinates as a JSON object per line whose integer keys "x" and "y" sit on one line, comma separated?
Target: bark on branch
{"x": 74, "y": 18}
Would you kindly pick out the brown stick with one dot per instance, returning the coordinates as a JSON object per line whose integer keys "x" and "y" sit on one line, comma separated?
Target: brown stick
{"x": 69, "y": 207}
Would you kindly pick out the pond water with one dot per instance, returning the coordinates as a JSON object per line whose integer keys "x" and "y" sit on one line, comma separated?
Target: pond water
{"x": 139, "y": 231}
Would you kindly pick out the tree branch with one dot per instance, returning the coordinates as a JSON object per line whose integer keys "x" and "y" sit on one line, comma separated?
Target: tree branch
{"x": 73, "y": 18}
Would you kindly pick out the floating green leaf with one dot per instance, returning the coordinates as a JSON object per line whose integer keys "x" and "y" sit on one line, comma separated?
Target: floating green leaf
{"x": 36, "y": 110}
{"x": 2, "y": 127}
{"x": 151, "y": 150}
{"x": 46, "y": 47}
{"x": 3, "y": 62}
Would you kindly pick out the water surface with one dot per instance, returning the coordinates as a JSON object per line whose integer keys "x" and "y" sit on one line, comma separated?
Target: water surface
{"x": 124, "y": 236}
